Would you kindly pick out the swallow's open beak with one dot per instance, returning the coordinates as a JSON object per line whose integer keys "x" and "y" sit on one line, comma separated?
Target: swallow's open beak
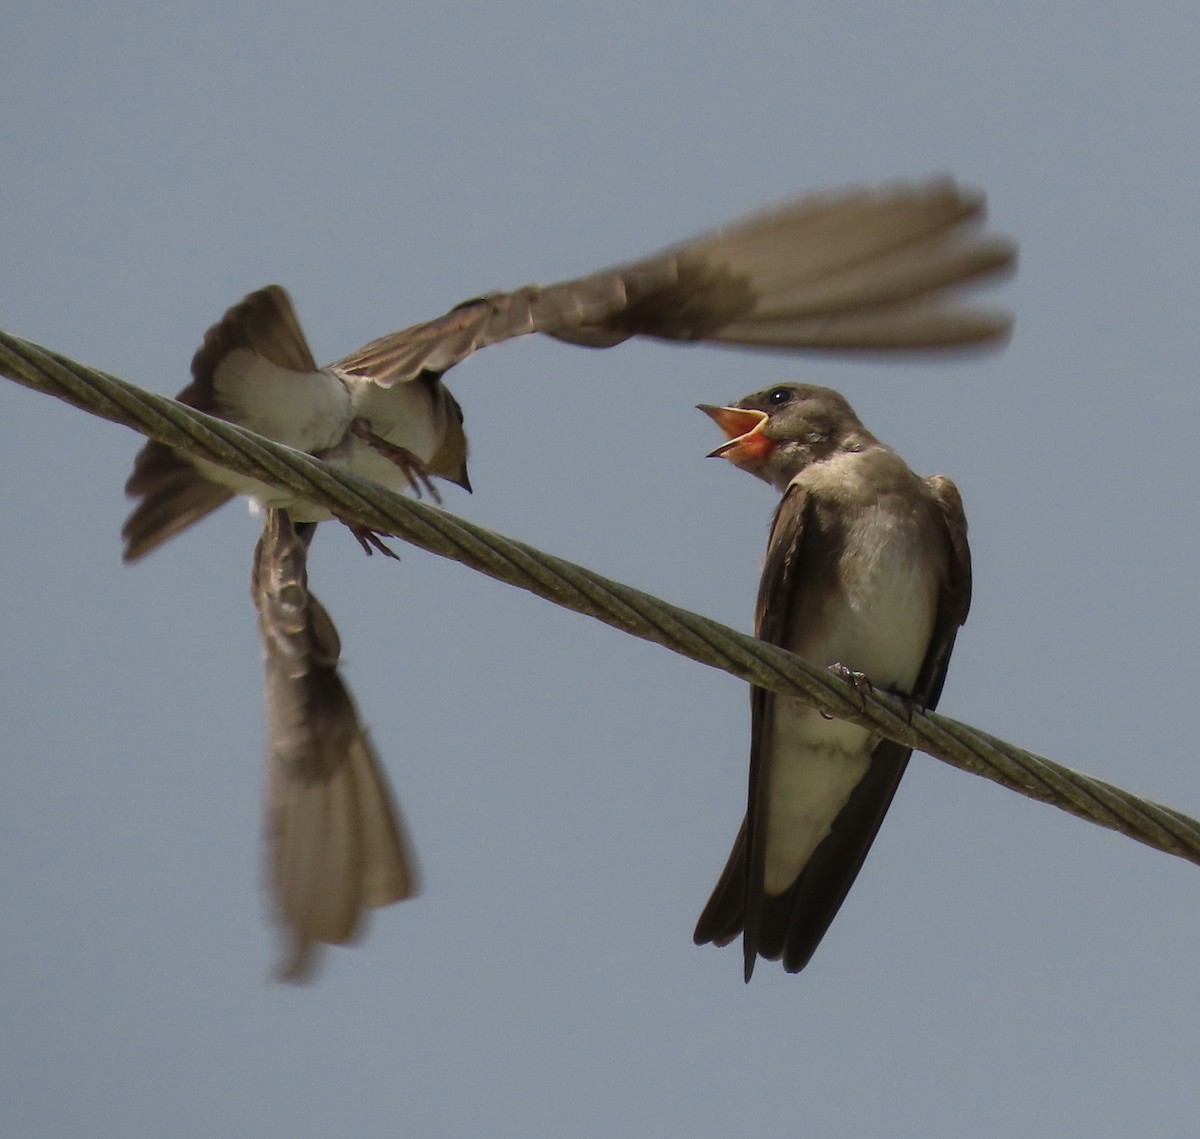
{"x": 747, "y": 446}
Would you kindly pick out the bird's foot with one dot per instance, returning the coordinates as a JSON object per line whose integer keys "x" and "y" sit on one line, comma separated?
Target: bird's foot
{"x": 410, "y": 466}
{"x": 369, "y": 539}
{"x": 910, "y": 702}
{"x": 857, "y": 680}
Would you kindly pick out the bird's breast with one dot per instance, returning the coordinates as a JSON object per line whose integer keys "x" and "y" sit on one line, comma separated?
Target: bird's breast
{"x": 310, "y": 411}
{"x": 306, "y": 410}
{"x": 868, "y": 601}
{"x": 873, "y": 604}
{"x": 404, "y": 416}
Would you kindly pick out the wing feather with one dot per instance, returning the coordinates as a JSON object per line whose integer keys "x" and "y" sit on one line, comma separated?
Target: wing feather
{"x": 858, "y": 269}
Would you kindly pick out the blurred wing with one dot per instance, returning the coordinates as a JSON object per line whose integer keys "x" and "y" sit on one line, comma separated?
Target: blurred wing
{"x": 865, "y": 270}
{"x": 337, "y": 845}
{"x": 263, "y": 322}
{"x": 173, "y": 493}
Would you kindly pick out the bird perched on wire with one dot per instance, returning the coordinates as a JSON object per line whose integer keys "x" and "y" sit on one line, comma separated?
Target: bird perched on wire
{"x": 867, "y": 571}
{"x": 853, "y": 270}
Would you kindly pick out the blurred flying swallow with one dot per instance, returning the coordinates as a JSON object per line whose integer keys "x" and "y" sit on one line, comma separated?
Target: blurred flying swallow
{"x": 867, "y": 569}
{"x": 336, "y": 845}
{"x": 852, "y": 270}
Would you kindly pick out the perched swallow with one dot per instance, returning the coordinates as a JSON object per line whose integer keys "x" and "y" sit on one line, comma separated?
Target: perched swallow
{"x": 336, "y": 843}
{"x": 850, "y": 270}
{"x": 867, "y": 569}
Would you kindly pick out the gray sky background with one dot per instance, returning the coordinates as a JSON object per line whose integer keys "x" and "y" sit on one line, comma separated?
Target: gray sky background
{"x": 1000, "y": 969}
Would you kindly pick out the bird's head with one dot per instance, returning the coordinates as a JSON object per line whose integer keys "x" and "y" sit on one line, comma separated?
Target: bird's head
{"x": 777, "y": 432}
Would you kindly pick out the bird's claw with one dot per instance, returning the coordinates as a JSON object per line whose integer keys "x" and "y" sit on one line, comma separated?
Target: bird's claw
{"x": 910, "y": 702}
{"x": 857, "y": 680}
{"x": 410, "y": 466}
{"x": 369, "y": 539}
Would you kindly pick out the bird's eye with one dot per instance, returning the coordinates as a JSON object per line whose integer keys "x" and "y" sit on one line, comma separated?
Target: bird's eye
{"x": 777, "y": 396}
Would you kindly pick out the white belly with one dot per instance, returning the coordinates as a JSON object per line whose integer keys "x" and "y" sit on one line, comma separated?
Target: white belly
{"x": 816, "y": 763}
{"x": 401, "y": 414}
{"x": 308, "y": 411}
{"x": 313, "y": 413}
{"x": 879, "y": 624}
{"x": 881, "y": 620}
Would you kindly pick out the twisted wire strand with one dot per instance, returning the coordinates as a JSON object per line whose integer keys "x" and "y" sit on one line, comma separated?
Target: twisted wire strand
{"x": 579, "y": 589}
